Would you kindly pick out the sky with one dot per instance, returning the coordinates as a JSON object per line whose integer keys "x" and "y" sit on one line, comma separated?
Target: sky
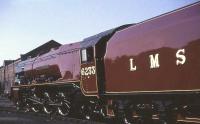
{"x": 27, "y": 24}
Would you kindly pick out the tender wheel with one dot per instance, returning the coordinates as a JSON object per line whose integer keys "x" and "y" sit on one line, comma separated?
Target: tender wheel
{"x": 128, "y": 117}
{"x": 169, "y": 118}
{"x": 65, "y": 107}
{"x": 86, "y": 112}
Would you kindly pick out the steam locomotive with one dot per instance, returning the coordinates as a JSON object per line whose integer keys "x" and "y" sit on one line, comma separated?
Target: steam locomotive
{"x": 134, "y": 73}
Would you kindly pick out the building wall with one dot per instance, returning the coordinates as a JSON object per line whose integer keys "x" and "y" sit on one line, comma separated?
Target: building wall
{"x": 1, "y": 79}
{"x": 9, "y": 77}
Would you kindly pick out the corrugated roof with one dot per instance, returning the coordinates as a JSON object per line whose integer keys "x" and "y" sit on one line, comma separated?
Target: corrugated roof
{"x": 41, "y": 49}
{"x": 7, "y": 62}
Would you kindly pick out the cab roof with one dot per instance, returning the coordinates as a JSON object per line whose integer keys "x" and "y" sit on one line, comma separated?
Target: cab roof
{"x": 93, "y": 40}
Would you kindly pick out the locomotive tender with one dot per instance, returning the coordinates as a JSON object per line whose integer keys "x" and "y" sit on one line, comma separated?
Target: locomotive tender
{"x": 132, "y": 72}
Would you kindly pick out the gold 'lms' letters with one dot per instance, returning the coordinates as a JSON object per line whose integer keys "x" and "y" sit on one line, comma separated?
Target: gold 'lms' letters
{"x": 154, "y": 60}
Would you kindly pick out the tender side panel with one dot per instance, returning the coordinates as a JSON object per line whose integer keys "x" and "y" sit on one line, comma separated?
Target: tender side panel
{"x": 161, "y": 54}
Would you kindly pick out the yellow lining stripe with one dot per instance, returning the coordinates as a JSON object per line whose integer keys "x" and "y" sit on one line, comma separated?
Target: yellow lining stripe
{"x": 194, "y": 90}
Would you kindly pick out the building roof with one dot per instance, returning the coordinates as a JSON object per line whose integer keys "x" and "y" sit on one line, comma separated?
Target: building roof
{"x": 7, "y": 62}
{"x": 41, "y": 49}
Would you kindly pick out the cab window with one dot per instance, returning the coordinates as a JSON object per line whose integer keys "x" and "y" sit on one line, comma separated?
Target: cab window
{"x": 87, "y": 55}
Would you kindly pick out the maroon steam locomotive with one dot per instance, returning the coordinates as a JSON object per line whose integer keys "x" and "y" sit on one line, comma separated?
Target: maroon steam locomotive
{"x": 135, "y": 72}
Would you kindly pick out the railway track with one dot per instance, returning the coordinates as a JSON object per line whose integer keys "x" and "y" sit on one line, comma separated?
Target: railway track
{"x": 8, "y": 113}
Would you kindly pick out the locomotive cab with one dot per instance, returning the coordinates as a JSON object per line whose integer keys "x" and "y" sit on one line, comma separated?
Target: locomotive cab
{"x": 92, "y": 62}
{"x": 88, "y": 71}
